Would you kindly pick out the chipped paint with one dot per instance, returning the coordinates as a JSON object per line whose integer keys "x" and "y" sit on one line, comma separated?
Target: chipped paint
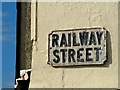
{"x": 85, "y": 46}
{"x": 23, "y": 76}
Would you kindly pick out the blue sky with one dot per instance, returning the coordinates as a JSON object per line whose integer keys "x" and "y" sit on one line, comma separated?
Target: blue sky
{"x": 8, "y": 43}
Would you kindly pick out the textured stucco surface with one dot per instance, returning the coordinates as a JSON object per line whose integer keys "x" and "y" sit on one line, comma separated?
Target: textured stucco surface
{"x": 55, "y": 16}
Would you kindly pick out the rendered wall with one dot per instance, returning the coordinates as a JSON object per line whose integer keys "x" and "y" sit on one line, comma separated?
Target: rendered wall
{"x": 55, "y": 16}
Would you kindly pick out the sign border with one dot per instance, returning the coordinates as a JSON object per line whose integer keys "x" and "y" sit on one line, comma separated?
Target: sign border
{"x": 72, "y": 29}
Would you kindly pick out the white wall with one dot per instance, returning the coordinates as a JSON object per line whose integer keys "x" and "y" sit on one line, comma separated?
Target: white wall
{"x": 55, "y": 16}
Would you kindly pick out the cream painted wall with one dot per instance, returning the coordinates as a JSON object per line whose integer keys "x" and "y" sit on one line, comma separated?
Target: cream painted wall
{"x": 55, "y": 16}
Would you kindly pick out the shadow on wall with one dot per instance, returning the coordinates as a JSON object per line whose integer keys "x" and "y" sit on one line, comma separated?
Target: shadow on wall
{"x": 108, "y": 50}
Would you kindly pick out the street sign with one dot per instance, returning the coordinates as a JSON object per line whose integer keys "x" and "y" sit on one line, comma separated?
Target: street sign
{"x": 73, "y": 47}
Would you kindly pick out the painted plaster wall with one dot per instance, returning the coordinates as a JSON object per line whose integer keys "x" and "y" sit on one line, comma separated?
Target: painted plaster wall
{"x": 55, "y": 16}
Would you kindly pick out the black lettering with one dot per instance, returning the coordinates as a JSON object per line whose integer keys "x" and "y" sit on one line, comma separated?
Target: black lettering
{"x": 71, "y": 53}
{"x": 69, "y": 39}
{"x": 79, "y": 54}
{"x": 63, "y": 40}
{"x": 74, "y": 40}
{"x": 88, "y": 54}
{"x": 55, "y": 53}
{"x": 97, "y": 53}
{"x": 55, "y": 39}
{"x": 83, "y": 37}
{"x": 63, "y": 54}
{"x": 99, "y": 36}
{"x": 92, "y": 39}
